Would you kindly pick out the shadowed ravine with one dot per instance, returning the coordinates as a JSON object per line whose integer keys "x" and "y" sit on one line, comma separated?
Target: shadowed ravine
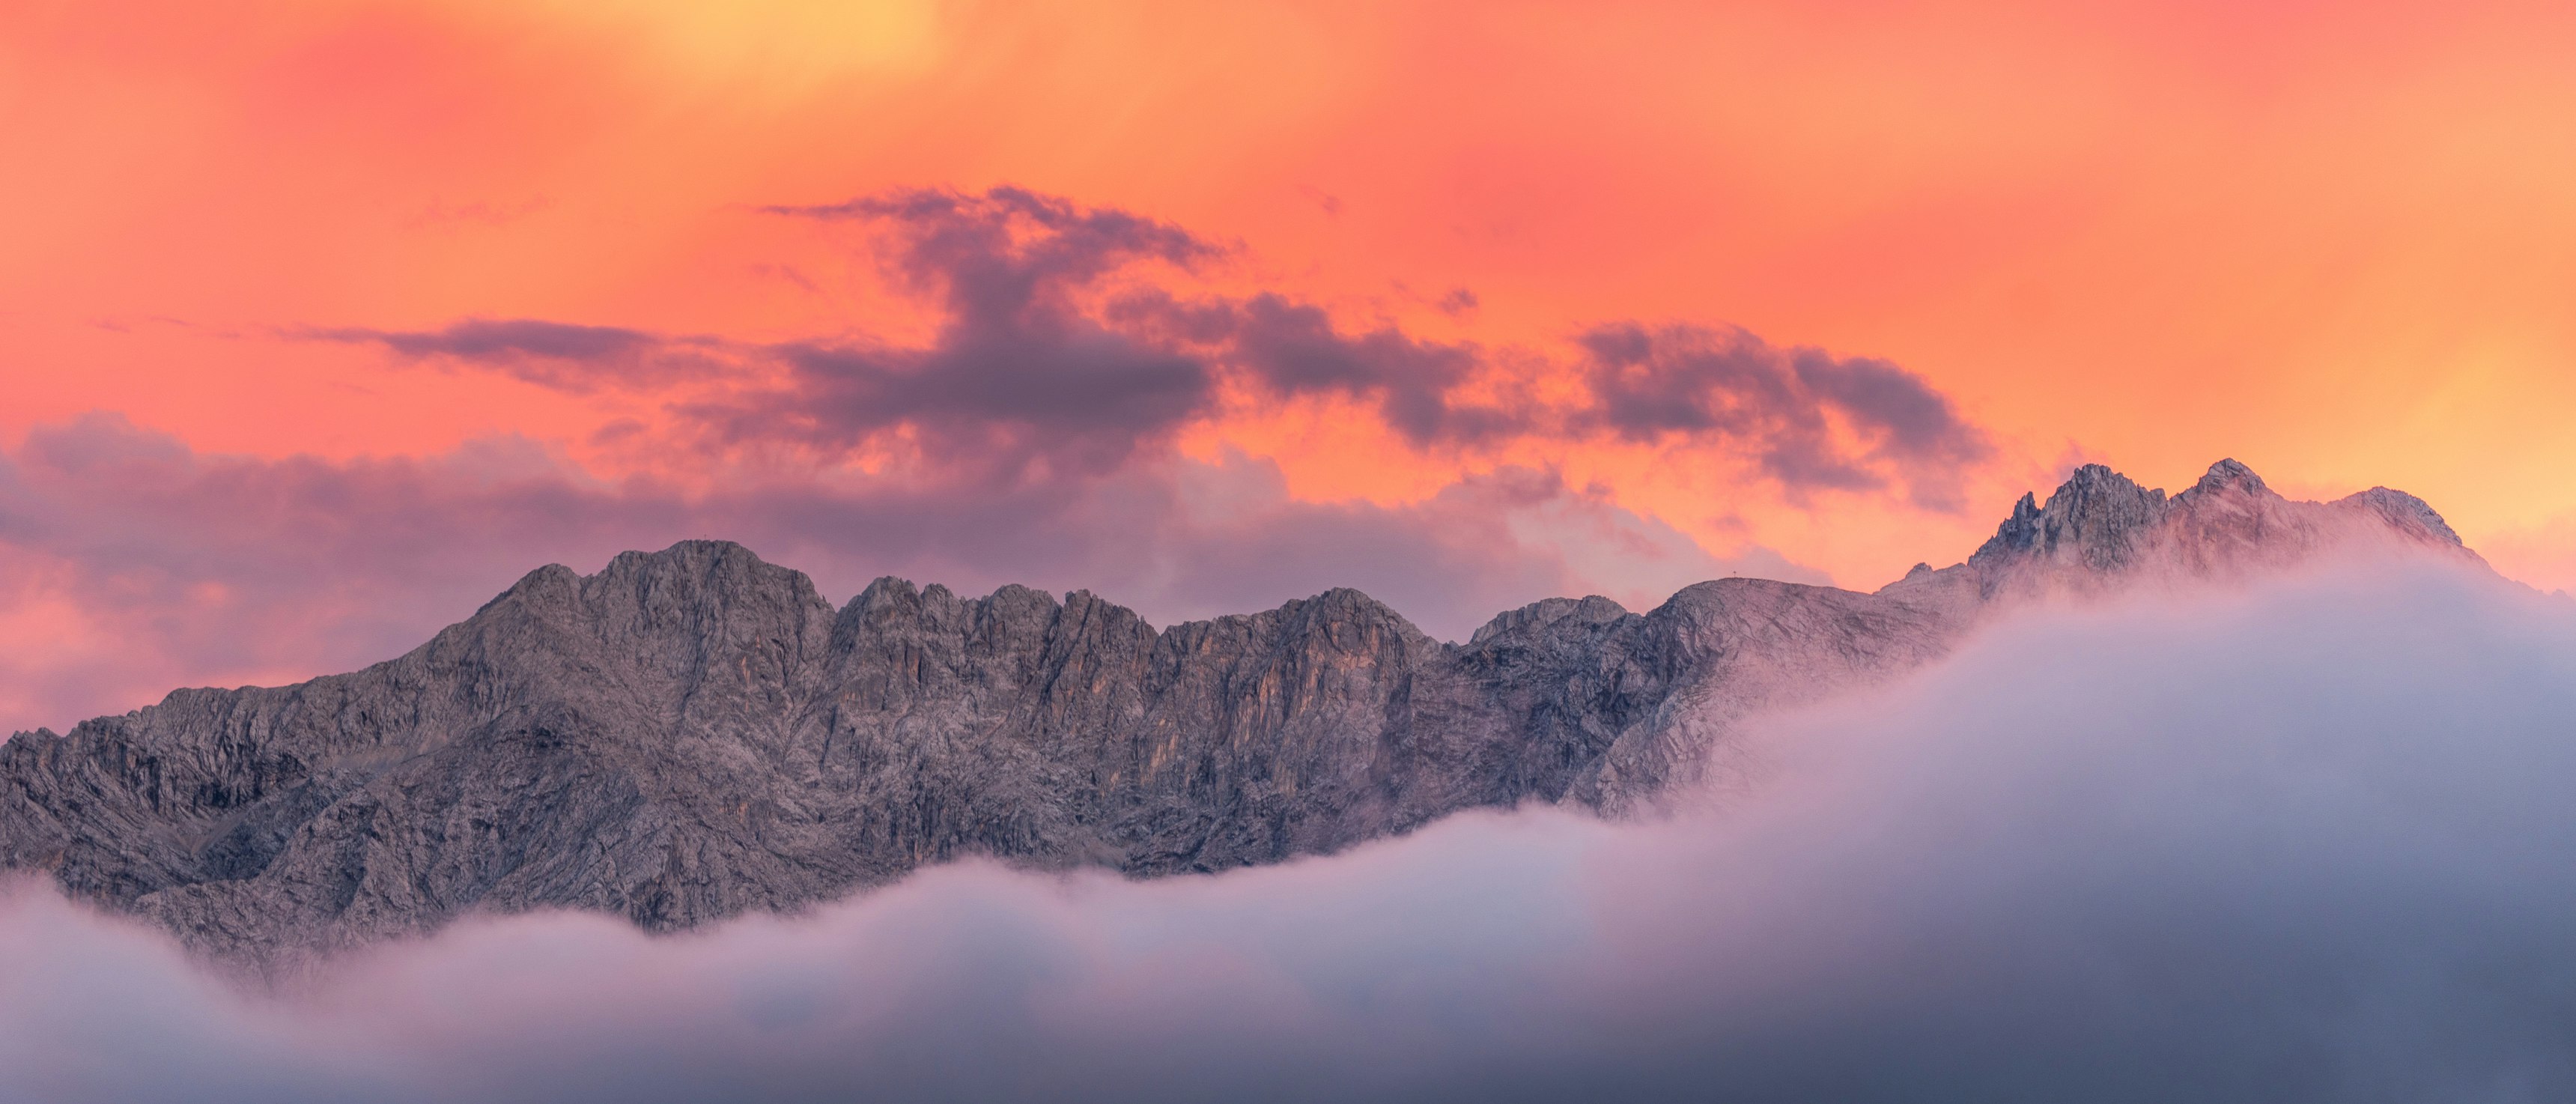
{"x": 695, "y": 733}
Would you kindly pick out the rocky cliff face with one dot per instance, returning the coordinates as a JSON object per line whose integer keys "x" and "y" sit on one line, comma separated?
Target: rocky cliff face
{"x": 2100, "y": 532}
{"x": 694, "y": 733}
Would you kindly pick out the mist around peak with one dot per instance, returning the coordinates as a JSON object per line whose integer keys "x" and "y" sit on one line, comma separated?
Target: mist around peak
{"x": 2306, "y": 843}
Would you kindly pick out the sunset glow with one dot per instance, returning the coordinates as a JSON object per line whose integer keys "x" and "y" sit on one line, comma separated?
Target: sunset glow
{"x": 2333, "y": 241}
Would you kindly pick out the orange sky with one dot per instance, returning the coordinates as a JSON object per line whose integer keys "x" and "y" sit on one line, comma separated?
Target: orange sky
{"x": 2336, "y": 241}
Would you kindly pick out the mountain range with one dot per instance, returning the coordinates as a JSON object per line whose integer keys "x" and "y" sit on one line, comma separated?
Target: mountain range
{"x": 694, "y": 734}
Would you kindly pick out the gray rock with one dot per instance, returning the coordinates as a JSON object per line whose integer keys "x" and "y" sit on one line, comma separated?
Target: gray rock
{"x": 694, "y": 734}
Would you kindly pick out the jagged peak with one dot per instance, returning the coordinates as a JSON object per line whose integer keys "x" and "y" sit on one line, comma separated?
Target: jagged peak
{"x": 2229, "y": 475}
{"x": 2403, "y": 511}
{"x": 711, "y": 568}
{"x": 2093, "y": 513}
{"x": 883, "y": 588}
{"x": 1591, "y": 609}
{"x": 2086, "y": 475}
{"x": 885, "y": 595}
{"x": 1344, "y": 600}
{"x": 886, "y": 589}
{"x": 688, "y": 559}
{"x": 1017, "y": 594}
{"x": 2100, "y": 520}
{"x": 551, "y": 576}
{"x": 895, "y": 592}
{"x": 695, "y": 552}
{"x": 2094, "y": 482}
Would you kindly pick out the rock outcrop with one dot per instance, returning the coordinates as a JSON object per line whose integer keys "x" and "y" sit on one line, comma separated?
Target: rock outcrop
{"x": 2101, "y": 532}
{"x": 694, "y": 733}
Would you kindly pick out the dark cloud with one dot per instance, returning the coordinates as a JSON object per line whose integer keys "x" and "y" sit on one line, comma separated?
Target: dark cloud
{"x": 1297, "y": 349}
{"x": 184, "y": 569}
{"x": 1023, "y": 373}
{"x": 2307, "y": 847}
{"x": 1062, "y": 347}
{"x": 1811, "y": 420}
{"x": 1903, "y": 416}
{"x": 1011, "y": 259}
{"x": 1019, "y": 275}
{"x": 1038, "y": 361}
{"x": 1002, "y": 401}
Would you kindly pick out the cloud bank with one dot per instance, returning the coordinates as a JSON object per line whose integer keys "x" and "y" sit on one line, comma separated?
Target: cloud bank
{"x": 2307, "y": 845}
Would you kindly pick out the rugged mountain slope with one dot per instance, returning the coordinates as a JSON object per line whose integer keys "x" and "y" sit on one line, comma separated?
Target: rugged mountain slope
{"x": 695, "y": 733}
{"x": 2100, "y": 531}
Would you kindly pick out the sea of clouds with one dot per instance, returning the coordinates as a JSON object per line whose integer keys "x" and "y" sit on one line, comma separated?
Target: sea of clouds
{"x": 2310, "y": 843}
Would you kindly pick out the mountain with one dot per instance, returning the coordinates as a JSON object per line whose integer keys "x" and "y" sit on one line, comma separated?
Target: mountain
{"x": 694, "y": 733}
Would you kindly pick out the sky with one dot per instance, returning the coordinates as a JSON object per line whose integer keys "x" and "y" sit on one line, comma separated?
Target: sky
{"x": 322, "y": 322}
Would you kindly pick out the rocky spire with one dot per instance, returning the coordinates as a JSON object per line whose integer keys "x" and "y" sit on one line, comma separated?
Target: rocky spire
{"x": 2093, "y": 520}
{"x": 2228, "y": 475}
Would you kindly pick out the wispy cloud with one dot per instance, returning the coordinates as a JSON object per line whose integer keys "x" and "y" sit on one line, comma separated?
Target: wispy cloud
{"x": 561, "y": 355}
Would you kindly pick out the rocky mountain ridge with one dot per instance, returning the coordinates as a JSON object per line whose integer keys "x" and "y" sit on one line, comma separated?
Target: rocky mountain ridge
{"x": 691, "y": 734}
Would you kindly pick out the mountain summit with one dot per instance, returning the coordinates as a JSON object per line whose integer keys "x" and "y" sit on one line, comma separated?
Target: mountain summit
{"x": 695, "y": 733}
{"x": 2101, "y": 531}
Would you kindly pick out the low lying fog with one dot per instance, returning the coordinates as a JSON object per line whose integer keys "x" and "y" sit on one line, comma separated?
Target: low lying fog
{"x": 2315, "y": 843}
